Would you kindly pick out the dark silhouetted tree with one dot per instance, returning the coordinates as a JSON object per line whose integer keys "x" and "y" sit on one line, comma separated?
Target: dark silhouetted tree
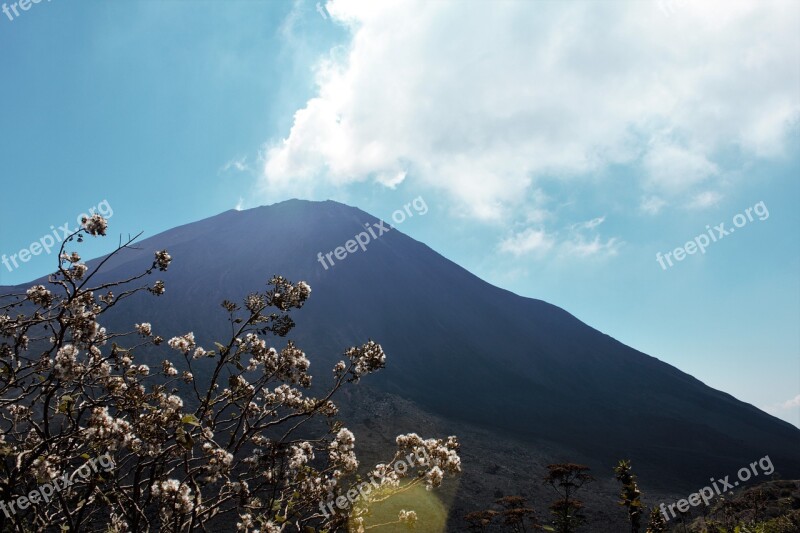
{"x": 516, "y": 515}
{"x": 480, "y": 520}
{"x": 567, "y": 479}
{"x": 631, "y": 497}
{"x": 657, "y": 522}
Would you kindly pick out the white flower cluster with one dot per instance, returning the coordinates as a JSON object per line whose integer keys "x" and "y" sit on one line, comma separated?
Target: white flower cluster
{"x": 293, "y": 366}
{"x": 19, "y": 412}
{"x": 144, "y": 329}
{"x": 260, "y": 353}
{"x": 315, "y": 486}
{"x": 158, "y": 288}
{"x": 98, "y": 367}
{"x": 433, "y": 477}
{"x": 77, "y": 271}
{"x": 367, "y": 358}
{"x": 106, "y": 298}
{"x": 169, "y": 369}
{"x": 247, "y": 525}
{"x": 442, "y": 456}
{"x": 201, "y": 352}
{"x": 303, "y": 289}
{"x": 407, "y": 517}
{"x": 252, "y": 409}
{"x": 116, "y": 385}
{"x": 255, "y": 302}
{"x": 183, "y": 344}
{"x": 118, "y": 523}
{"x": 39, "y": 295}
{"x": 327, "y": 408}
{"x": 85, "y": 329}
{"x": 238, "y": 487}
{"x": 95, "y": 225}
{"x": 300, "y": 455}
{"x": 246, "y": 522}
{"x": 171, "y": 403}
{"x": 112, "y": 433}
{"x": 66, "y": 366}
{"x": 387, "y": 474}
{"x": 43, "y": 469}
{"x": 240, "y": 387}
{"x": 342, "y": 454}
{"x": 286, "y": 396}
{"x": 255, "y": 459}
{"x": 219, "y": 462}
{"x": 176, "y": 498}
{"x": 272, "y": 527}
{"x": 7, "y": 326}
{"x": 162, "y": 260}
{"x": 339, "y": 368}
{"x": 285, "y": 295}
{"x": 71, "y": 258}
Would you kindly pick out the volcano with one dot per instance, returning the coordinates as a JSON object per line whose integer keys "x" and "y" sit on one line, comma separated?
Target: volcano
{"x": 459, "y": 349}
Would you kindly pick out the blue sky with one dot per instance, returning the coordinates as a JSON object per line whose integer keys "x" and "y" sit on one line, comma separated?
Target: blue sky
{"x": 559, "y": 146}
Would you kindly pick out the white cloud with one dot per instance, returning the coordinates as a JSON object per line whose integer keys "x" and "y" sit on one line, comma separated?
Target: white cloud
{"x": 571, "y": 243}
{"x": 239, "y": 164}
{"x": 581, "y": 247}
{"x": 673, "y": 169}
{"x": 578, "y": 245}
{"x": 652, "y": 205}
{"x": 481, "y": 102}
{"x": 704, "y": 199}
{"x": 791, "y": 404}
{"x": 779, "y": 409}
{"x": 526, "y": 242}
{"x": 590, "y": 224}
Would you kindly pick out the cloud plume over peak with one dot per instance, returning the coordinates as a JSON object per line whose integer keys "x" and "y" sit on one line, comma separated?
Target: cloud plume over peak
{"x": 481, "y": 103}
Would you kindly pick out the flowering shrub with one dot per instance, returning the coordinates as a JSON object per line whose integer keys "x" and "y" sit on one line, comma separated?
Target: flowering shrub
{"x": 233, "y": 445}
